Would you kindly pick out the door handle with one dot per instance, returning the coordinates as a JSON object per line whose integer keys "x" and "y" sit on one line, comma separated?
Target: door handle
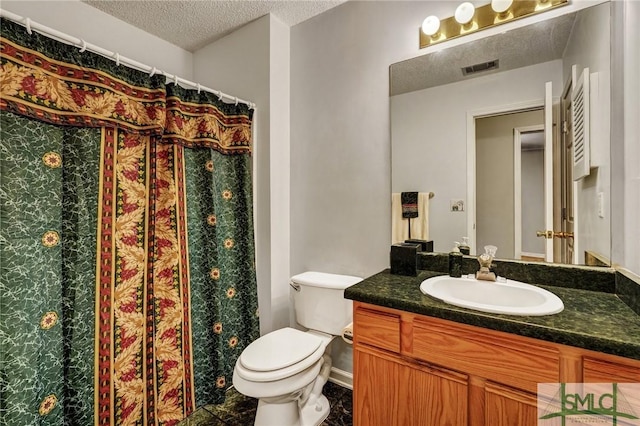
{"x": 545, "y": 234}
{"x": 551, "y": 234}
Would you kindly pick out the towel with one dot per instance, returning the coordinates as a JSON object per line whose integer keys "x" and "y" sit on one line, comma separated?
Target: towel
{"x": 409, "y": 204}
{"x": 419, "y": 225}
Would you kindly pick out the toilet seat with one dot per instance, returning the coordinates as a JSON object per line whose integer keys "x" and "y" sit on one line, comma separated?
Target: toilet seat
{"x": 280, "y": 354}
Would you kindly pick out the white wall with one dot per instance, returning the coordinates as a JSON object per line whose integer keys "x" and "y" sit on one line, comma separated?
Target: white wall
{"x": 94, "y": 26}
{"x": 429, "y": 149}
{"x": 340, "y": 156}
{"x": 632, "y": 137}
{"x": 280, "y": 171}
{"x": 589, "y": 46}
{"x": 253, "y": 63}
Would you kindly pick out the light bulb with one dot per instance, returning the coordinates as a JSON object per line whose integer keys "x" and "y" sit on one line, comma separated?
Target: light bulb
{"x": 500, "y": 6}
{"x": 431, "y": 25}
{"x": 464, "y": 13}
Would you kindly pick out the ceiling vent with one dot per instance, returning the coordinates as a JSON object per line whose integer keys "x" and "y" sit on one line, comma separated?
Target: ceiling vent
{"x": 485, "y": 66}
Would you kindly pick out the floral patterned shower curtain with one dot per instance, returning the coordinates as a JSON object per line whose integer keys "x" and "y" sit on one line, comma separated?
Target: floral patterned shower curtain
{"x": 127, "y": 286}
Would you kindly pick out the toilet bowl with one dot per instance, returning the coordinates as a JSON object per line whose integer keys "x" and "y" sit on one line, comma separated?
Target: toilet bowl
{"x": 287, "y": 368}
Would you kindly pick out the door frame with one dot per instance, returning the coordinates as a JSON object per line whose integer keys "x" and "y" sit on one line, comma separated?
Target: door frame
{"x": 471, "y": 155}
{"x": 517, "y": 184}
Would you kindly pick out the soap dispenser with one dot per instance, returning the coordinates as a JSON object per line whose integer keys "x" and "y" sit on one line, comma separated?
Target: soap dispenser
{"x": 464, "y": 247}
{"x": 455, "y": 261}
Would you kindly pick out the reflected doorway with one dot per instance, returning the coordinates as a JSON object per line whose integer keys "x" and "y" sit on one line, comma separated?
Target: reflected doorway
{"x": 501, "y": 180}
{"x": 529, "y": 192}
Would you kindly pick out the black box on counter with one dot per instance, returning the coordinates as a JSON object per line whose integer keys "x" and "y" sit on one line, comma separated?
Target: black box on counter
{"x": 425, "y": 246}
{"x": 404, "y": 259}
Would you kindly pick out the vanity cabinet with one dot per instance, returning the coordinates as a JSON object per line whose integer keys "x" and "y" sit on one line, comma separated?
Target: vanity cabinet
{"x": 412, "y": 369}
{"x": 393, "y": 390}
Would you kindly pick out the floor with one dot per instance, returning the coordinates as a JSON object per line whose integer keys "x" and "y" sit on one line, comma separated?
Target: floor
{"x": 239, "y": 410}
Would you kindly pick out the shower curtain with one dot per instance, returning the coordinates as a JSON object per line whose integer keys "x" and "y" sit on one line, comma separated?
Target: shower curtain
{"x": 127, "y": 285}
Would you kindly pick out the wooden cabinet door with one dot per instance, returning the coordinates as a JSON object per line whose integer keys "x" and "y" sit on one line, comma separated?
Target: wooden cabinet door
{"x": 376, "y": 389}
{"x": 434, "y": 397}
{"x": 391, "y": 391}
{"x": 505, "y": 406}
{"x": 606, "y": 371}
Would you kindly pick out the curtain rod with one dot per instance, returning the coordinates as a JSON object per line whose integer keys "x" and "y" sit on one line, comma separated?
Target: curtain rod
{"x": 114, "y": 56}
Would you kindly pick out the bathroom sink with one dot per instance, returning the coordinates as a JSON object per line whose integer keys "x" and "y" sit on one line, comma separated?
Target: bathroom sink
{"x": 510, "y": 297}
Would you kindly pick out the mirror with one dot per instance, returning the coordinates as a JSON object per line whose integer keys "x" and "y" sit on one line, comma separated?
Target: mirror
{"x": 468, "y": 139}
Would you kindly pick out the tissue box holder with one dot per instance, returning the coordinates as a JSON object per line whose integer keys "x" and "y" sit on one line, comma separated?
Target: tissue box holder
{"x": 425, "y": 246}
{"x": 404, "y": 259}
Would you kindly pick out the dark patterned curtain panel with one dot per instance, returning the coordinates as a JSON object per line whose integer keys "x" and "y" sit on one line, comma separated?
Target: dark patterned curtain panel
{"x": 127, "y": 287}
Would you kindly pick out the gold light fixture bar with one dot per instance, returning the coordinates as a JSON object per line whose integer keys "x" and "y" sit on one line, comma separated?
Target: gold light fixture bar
{"x": 485, "y": 17}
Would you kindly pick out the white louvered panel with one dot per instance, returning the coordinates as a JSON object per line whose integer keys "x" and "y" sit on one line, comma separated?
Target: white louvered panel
{"x": 580, "y": 120}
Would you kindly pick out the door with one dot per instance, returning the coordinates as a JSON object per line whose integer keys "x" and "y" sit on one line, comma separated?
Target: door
{"x": 376, "y": 389}
{"x": 560, "y": 219}
{"x": 548, "y": 170}
{"x": 505, "y": 406}
{"x": 566, "y": 245}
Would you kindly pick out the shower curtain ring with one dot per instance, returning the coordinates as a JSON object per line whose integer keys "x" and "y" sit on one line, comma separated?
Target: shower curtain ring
{"x": 198, "y": 88}
{"x": 28, "y": 25}
{"x": 236, "y": 99}
{"x": 84, "y": 46}
{"x": 117, "y": 59}
{"x": 153, "y": 71}
{"x": 175, "y": 79}
{"x": 219, "y": 96}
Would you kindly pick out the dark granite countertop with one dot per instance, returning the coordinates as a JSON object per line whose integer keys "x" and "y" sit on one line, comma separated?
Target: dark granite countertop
{"x": 593, "y": 320}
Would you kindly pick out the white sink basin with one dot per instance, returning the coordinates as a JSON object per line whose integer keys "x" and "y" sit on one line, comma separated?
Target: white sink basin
{"x": 510, "y": 297}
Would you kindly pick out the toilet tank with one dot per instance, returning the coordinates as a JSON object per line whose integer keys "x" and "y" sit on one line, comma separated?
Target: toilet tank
{"x": 319, "y": 301}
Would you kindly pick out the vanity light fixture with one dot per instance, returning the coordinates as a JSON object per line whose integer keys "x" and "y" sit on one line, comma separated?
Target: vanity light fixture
{"x": 501, "y": 6}
{"x": 468, "y": 19}
{"x": 464, "y": 13}
{"x": 431, "y": 26}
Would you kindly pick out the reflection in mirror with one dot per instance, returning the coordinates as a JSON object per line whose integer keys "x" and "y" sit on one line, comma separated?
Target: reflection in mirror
{"x": 466, "y": 137}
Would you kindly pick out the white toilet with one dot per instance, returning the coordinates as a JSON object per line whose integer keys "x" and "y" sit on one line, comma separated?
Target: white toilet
{"x": 287, "y": 368}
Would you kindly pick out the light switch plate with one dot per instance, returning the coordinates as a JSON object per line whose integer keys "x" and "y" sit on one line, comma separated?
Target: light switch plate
{"x": 457, "y": 205}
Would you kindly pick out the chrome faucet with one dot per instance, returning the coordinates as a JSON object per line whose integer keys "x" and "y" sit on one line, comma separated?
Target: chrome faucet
{"x": 485, "y": 260}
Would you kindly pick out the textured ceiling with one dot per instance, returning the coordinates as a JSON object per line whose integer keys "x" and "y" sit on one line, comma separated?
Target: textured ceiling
{"x": 192, "y": 24}
{"x": 534, "y": 44}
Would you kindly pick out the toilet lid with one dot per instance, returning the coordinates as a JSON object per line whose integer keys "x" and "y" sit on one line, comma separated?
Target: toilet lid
{"x": 279, "y": 349}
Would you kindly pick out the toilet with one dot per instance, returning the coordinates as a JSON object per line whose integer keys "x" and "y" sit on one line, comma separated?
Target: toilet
{"x": 287, "y": 368}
